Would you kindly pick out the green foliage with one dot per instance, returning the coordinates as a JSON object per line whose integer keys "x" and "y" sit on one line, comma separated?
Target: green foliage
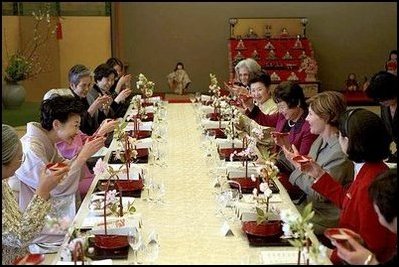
{"x": 17, "y": 69}
{"x": 27, "y": 62}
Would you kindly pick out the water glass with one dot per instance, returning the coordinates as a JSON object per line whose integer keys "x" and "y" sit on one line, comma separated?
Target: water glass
{"x": 134, "y": 239}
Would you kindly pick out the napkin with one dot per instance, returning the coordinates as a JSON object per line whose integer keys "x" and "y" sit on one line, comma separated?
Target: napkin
{"x": 236, "y": 172}
{"x": 224, "y": 143}
{"x": 101, "y": 153}
{"x": 143, "y": 126}
{"x": 280, "y": 256}
{"x": 144, "y": 143}
{"x": 117, "y": 225}
{"x": 207, "y": 109}
{"x": 208, "y": 124}
{"x": 205, "y": 97}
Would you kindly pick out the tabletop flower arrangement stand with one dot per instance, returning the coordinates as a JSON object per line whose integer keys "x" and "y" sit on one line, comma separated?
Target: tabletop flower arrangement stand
{"x": 233, "y": 114}
{"x": 214, "y": 88}
{"x": 247, "y": 154}
{"x": 109, "y": 241}
{"x": 297, "y": 228}
{"x": 75, "y": 249}
{"x": 115, "y": 206}
{"x": 146, "y": 87}
{"x": 128, "y": 156}
{"x": 266, "y": 224}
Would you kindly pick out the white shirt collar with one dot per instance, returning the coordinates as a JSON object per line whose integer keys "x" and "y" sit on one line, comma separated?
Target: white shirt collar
{"x": 358, "y": 166}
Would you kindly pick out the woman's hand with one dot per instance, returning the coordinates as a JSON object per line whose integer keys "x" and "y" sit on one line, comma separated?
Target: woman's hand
{"x": 90, "y": 148}
{"x": 123, "y": 95}
{"x": 357, "y": 256}
{"x": 98, "y": 104}
{"x": 106, "y": 126}
{"x": 245, "y": 98}
{"x": 49, "y": 180}
{"x": 312, "y": 169}
{"x": 281, "y": 139}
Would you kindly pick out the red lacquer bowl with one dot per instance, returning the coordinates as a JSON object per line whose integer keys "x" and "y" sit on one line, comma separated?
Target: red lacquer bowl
{"x": 110, "y": 241}
{"x": 245, "y": 183}
{"x": 55, "y": 166}
{"x": 29, "y": 259}
{"x": 301, "y": 159}
{"x": 265, "y": 229}
{"x": 340, "y": 235}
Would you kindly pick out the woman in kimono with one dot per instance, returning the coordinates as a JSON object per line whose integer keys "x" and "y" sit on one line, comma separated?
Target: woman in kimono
{"x": 178, "y": 80}
{"x": 59, "y": 121}
{"x": 18, "y": 228}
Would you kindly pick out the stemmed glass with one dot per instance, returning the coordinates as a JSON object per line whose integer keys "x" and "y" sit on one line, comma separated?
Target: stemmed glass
{"x": 134, "y": 239}
{"x": 192, "y": 99}
{"x": 153, "y": 247}
{"x": 198, "y": 97}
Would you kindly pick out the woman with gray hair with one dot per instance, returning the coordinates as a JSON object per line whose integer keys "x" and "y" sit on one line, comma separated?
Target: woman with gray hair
{"x": 245, "y": 70}
{"x": 20, "y": 228}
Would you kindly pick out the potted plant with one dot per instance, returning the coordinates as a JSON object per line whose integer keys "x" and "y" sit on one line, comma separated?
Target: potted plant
{"x": 27, "y": 62}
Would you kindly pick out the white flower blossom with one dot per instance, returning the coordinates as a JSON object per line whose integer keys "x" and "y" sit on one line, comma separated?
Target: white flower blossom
{"x": 255, "y": 191}
{"x": 100, "y": 167}
{"x": 268, "y": 192}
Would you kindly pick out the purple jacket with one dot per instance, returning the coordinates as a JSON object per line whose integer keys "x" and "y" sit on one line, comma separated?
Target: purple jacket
{"x": 299, "y": 134}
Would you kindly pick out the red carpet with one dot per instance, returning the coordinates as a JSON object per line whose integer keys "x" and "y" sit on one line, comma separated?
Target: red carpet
{"x": 358, "y": 98}
{"x": 174, "y": 98}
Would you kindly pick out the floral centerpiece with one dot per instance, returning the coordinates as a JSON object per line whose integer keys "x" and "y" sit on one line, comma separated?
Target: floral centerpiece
{"x": 146, "y": 86}
{"x": 214, "y": 87}
{"x": 233, "y": 114}
{"x": 297, "y": 228}
{"x": 267, "y": 173}
{"x": 110, "y": 199}
{"x": 264, "y": 226}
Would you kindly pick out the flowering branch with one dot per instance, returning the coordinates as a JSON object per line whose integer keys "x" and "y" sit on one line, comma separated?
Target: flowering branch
{"x": 214, "y": 87}
{"x": 25, "y": 63}
{"x": 146, "y": 86}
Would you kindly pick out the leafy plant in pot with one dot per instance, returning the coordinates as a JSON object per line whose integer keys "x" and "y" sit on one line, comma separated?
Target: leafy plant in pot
{"x": 28, "y": 61}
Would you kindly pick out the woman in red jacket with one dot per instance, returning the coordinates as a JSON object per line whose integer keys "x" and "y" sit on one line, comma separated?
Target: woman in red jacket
{"x": 364, "y": 138}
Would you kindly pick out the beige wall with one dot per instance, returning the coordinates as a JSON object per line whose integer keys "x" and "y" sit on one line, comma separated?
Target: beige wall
{"x": 10, "y": 35}
{"x": 86, "y": 40}
{"x": 346, "y": 37}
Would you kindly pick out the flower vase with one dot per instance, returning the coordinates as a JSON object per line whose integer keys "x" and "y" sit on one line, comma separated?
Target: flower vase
{"x": 13, "y": 95}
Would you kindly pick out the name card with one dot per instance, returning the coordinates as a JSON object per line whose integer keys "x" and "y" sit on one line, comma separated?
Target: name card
{"x": 226, "y": 230}
{"x": 215, "y": 182}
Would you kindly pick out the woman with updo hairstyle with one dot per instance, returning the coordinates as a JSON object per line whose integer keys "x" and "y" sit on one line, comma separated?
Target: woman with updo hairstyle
{"x": 19, "y": 228}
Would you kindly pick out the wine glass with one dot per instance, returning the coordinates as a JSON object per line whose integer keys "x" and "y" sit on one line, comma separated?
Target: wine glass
{"x": 192, "y": 99}
{"x": 134, "y": 239}
{"x": 198, "y": 97}
{"x": 152, "y": 247}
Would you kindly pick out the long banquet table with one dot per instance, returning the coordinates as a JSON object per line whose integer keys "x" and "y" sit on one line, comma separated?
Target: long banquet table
{"x": 188, "y": 228}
